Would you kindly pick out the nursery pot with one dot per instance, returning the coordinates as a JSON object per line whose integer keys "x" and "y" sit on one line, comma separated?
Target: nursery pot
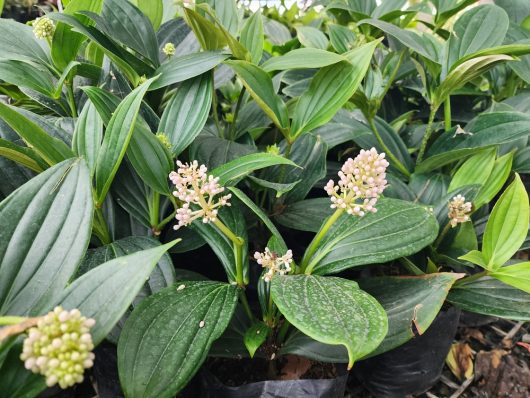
{"x": 312, "y": 388}
{"x": 413, "y": 367}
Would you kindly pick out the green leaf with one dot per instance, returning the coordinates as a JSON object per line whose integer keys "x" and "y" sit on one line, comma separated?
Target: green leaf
{"x": 398, "y": 229}
{"x": 475, "y": 170}
{"x": 230, "y": 173}
{"x": 279, "y": 187}
{"x": 255, "y": 336}
{"x": 17, "y": 42}
{"x": 311, "y": 37}
{"x": 331, "y": 310}
{"x": 489, "y": 296}
{"x": 252, "y": 37}
{"x": 167, "y": 338}
{"x": 464, "y": 73}
{"x": 209, "y": 35}
{"x": 330, "y": 88}
{"x": 342, "y": 39}
{"x": 88, "y": 135}
{"x": 306, "y": 215}
{"x": 408, "y": 38}
{"x": 498, "y": 177}
{"x": 106, "y": 292}
{"x": 153, "y": 9}
{"x": 487, "y": 129}
{"x": 45, "y": 227}
{"x": 226, "y": 12}
{"x": 187, "y": 112}
{"x": 259, "y": 85}
{"x": 178, "y": 69}
{"x": 22, "y": 155}
{"x": 116, "y": 140}
{"x": 34, "y": 77}
{"x": 475, "y": 257}
{"x": 302, "y": 58}
{"x": 517, "y": 275}
{"x": 507, "y": 226}
{"x": 50, "y": 149}
{"x": 259, "y": 212}
{"x": 66, "y": 42}
{"x": 127, "y": 24}
{"x": 517, "y": 10}
{"x": 478, "y": 28}
{"x": 411, "y": 304}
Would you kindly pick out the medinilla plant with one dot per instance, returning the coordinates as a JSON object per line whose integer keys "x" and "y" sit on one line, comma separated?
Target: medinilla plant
{"x": 127, "y": 124}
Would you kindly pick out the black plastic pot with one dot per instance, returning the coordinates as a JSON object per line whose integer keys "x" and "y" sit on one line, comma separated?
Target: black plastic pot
{"x": 414, "y": 367}
{"x": 322, "y": 388}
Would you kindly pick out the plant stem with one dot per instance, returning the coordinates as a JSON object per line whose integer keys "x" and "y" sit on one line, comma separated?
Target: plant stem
{"x": 283, "y": 330}
{"x": 11, "y": 320}
{"x": 389, "y": 153}
{"x": 472, "y": 278}
{"x": 447, "y": 113}
{"x": 100, "y": 227}
{"x": 304, "y": 265}
{"x": 238, "y": 250}
{"x": 163, "y": 223}
{"x": 428, "y": 132}
{"x": 246, "y": 306}
{"x": 442, "y": 235}
{"x": 236, "y": 113}
{"x": 214, "y": 108}
{"x": 15, "y": 328}
{"x": 71, "y": 99}
{"x": 154, "y": 210}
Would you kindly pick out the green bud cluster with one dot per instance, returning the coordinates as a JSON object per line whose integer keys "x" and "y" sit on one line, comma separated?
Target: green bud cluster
{"x": 43, "y": 28}
{"x": 164, "y": 140}
{"x": 60, "y": 347}
{"x": 169, "y": 49}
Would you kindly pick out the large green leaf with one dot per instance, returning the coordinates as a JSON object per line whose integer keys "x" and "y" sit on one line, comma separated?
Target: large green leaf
{"x": 331, "y": 310}
{"x": 398, "y": 229}
{"x": 66, "y": 43}
{"x": 330, "y": 88}
{"x": 187, "y": 112}
{"x": 496, "y": 180}
{"x": 479, "y": 28}
{"x": 411, "y": 304}
{"x": 45, "y": 227}
{"x": 22, "y": 155}
{"x": 153, "y": 9}
{"x": 303, "y": 58}
{"x": 311, "y": 37}
{"x": 24, "y": 74}
{"x": 507, "y": 226}
{"x": 252, "y": 36}
{"x": 475, "y": 170}
{"x": 106, "y": 292}
{"x": 17, "y": 42}
{"x": 167, "y": 338}
{"x": 178, "y": 69}
{"x": 259, "y": 85}
{"x": 517, "y": 10}
{"x": 51, "y": 149}
{"x": 88, "y": 135}
{"x": 487, "y": 129}
{"x": 517, "y": 275}
{"x": 489, "y": 296}
{"x": 230, "y": 173}
{"x": 226, "y": 12}
{"x": 116, "y": 140}
{"x": 306, "y": 215}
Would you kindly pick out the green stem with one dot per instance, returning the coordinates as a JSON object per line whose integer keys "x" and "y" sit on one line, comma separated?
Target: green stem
{"x": 428, "y": 132}
{"x": 214, "y": 108}
{"x": 471, "y": 278}
{"x": 236, "y": 113}
{"x": 164, "y": 222}
{"x": 100, "y": 227}
{"x": 71, "y": 99}
{"x": 447, "y": 113}
{"x": 11, "y": 320}
{"x": 154, "y": 209}
{"x": 283, "y": 330}
{"x": 394, "y": 73}
{"x": 238, "y": 250}
{"x": 304, "y": 265}
{"x": 244, "y": 303}
{"x": 393, "y": 159}
{"x": 442, "y": 235}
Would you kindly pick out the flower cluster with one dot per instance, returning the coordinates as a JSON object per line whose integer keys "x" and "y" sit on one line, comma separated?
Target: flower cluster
{"x": 195, "y": 187}
{"x": 362, "y": 180}
{"x": 274, "y": 263}
{"x": 169, "y": 49}
{"x": 164, "y": 140}
{"x": 60, "y": 347}
{"x": 459, "y": 210}
{"x": 43, "y": 28}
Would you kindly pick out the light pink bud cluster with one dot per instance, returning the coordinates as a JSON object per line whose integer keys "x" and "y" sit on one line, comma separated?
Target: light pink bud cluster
{"x": 193, "y": 186}
{"x": 362, "y": 181}
{"x": 274, "y": 263}
{"x": 60, "y": 347}
{"x": 459, "y": 210}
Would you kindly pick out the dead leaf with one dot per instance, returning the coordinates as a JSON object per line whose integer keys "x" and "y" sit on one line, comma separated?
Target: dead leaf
{"x": 460, "y": 361}
{"x": 295, "y": 367}
{"x": 524, "y": 345}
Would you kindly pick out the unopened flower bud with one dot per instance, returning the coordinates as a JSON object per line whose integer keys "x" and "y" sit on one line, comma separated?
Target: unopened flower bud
{"x": 459, "y": 210}
{"x": 169, "y": 49}
{"x": 43, "y": 28}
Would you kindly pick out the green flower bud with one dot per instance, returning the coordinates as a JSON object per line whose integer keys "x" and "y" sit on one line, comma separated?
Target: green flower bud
{"x": 169, "y": 49}
{"x": 43, "y": 28}
{"x": 60, "y": 347}
{"x": 164, "y": 140}
{"x": 274, "y": 149}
